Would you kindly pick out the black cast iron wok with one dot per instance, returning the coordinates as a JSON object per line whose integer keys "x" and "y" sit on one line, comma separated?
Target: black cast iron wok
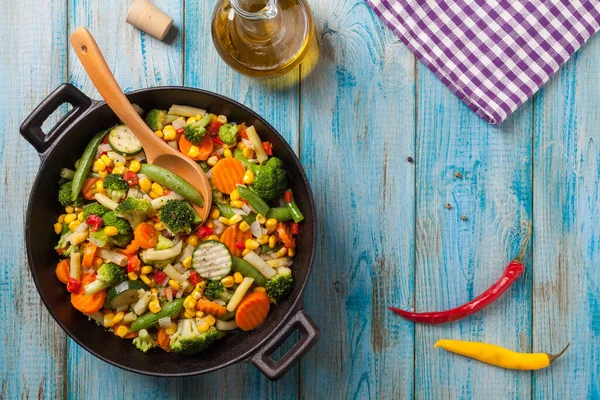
{"x": 64, "y": 144}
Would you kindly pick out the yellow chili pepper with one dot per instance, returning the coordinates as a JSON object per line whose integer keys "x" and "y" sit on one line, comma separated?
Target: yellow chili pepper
{"x": 499, "y": 356}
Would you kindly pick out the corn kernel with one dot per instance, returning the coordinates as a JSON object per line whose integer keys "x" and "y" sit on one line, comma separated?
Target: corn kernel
{"x": 122, "y": 331}
{"x": 80, "y": 217}
{"x": 77, "y": 210}
{"x": 108, "y": 317}
{"x": 199, "y": 314}
{"x": 145, "y": 279}
{"x": 152, "y": 283}
{"x": 110, "y": 231}
{"x": 235, "y": 219}
{"x": 61, "y": 218}
{"x": 248, "y": 153}
{"x": 260, "y": 289}
{"x": 234, "y": 195}
{"x": 158, "y": 189}
{"x": 171, "y": 329}
{"x": 69, "y": 209}
{"x": 132, "y": 276}
{"x": 159, "y": 226}
{"x": 272, "y": 241}
{"x": 190, "y": 120}
{"x": 212, "y": 160}
{"x": 187, "y": 262}
{"x": 248, "y": 177}
{"x": 227, "y": 153}
{"x": 224, "y": 220}
{"x": 237, "y": 277}
{"x": 210, "y": 320}
{"x": 70, "y": 218}
{"x": 200, "y": 286}
{"x": 100, "y": 186}
{"x": 74, "y": 225}
{"x": 154, "y": 306}
{"x": 98, "y": 166}
{"x": 159, "y": 133}
{"x": 212, "y": 237}
{"x": 103, "y": 174}
{"x": 222, "y": 119}
{"x": 251, "y": 244}
{"x": 189, "y": 302}
{"x": 264, "y": 239}
{"x": 194, "y": 151}
{"x": 227, "y": 281}
{"x": 106, "y": 160}
{"x": 189, "y": 314}
{"x": 244, "y": 226}
{"x": 146, "y": 269}
{"x": 210, "y": 224}
{"x": 202, "y": 325}
{"x": 240, "y": 146}
{"x": 154, "y": 195}
{"x": 118, "y": 317}
{"x": 192, "y": 240}
{"x": 261, "y": 218}
{"x": 174, "y": 284}
{"x": 145, "y": 184}
{"x": 119, "y": 168}
{"x": 154, "y": 291}
{"x": 236, "y": 204}
{"x": 98, "y": 261}
{"x": 57, "y": 228}
{"x": 214, "y": 214}
{"x": 134, "y": 166}
{"x": 271, "y": 225}
{"x": 169, "y": 133}
{"x": 196, "y": 295}
{"x": 291, "y": 252}
{"x": 245, "y": 252}
{"x": 281, "y": 252}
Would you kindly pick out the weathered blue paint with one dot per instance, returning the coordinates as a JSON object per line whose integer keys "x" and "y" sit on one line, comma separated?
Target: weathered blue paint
{"x": 385, "y": 236}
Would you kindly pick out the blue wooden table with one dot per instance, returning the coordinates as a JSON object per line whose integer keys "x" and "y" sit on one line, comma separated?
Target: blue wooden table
{"x": 385, "y": 234}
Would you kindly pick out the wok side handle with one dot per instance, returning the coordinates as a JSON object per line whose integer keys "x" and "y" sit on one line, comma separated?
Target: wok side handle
{"x": 31, "y": 129}
{"x": 309, "y": 335}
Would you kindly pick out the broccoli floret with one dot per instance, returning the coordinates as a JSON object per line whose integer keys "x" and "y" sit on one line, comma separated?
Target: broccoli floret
{"x": 203, "y": 165}
{"x": 188, "y": 340}
{"x": 94, "y": 209}
{"x": 63, "y": 241}
{"x": 115, "y": 186}
{"x": 178, "y": 216}
{"x": 228, "y": 133}
{"x": 64, "y": 195}
{"x": 155, "y": 119}
{"x": 99, "y": 238}
{"x": 134, "y": 210}
{"x": 71, "y": 249}
{"x": 215, "y": 290}
{"x": 144, "y": 342}
{"x": 109, "y": 274}
{"x": 125, "y": 233}
{"x": 270, "y": 178}
{"x": 194, "y": 133}
{"x": 280, "y": 285}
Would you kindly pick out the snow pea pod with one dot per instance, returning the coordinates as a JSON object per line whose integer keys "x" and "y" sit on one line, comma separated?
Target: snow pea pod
{"x": 85, "y": 162}
{"x": 150, "y": 319}
{"x": 252, "y": 198}
{"x": 281, "y": 214}
{"x": 246, "y": 269}
{"x": 173, "y": 182}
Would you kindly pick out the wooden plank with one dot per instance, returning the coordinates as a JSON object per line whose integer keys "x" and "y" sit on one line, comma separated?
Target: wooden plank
{"x": 33, "y": 346}
{"x": 277, "y": 101}
{"x": 458, "y": 259}
{"x": 357, "y": 131}
{"x": 566, "y": 285}
{"x": 137, "y": 61}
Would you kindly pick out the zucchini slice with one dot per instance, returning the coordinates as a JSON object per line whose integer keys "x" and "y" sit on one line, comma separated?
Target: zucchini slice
{"x": 212, "y": 260}
{"x": 124, "y": 293}
{"x": 123, "y": 141}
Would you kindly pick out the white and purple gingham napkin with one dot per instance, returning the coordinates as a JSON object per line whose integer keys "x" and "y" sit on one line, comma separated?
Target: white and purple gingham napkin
{"x": 493, "y": 54}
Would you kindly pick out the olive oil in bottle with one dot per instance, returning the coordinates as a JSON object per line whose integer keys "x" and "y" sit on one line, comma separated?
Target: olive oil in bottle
{"x": 263, "y": 38}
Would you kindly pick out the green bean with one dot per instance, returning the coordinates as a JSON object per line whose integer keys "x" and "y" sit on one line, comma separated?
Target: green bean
{"x": 246, "y": 269}
{"x": 173, "y": 182}
{"x": 294, "y": 210}
{"x": 85, "y": 162}
{"x": 150, "y": 319}
{"x": 281, "y": 214}
{"x": 252, "y": 198}
{"x": 226, "y": 211}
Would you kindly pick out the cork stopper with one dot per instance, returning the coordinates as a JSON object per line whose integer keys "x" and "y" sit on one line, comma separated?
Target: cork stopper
{"x": 150, "y": 19}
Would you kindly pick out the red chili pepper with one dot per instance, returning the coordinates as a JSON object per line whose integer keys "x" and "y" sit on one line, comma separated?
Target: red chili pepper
{"x": 287, "y": 196}
{"x": 217, "y": 140}
{"x": 133, "y": 263}
{"x": 512, "y": 272}
{"x": 159, "y": 276}
{"x": 131, "y": 178}
{"x": 104, "y": 153}
{"x": 194, "y": 278}
{"x": 240, "y": 245}
{"x": 74, "y": 285}
{"x": 179, "y": 131}
{"x": 214, "y": 128}
{"x": 268, "y": 148}
{"x": 295, "y": 229}
{"x": 105, "y": 141}
{"x": 94, "y": 222}
{"x": 205, "y": 231}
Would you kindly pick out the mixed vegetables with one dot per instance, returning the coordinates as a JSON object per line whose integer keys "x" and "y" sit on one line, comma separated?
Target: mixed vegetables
{"x": 138, "y": 259}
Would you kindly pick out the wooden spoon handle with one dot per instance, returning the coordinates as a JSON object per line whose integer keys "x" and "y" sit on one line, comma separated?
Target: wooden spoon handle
{"x": 94, "y": 63}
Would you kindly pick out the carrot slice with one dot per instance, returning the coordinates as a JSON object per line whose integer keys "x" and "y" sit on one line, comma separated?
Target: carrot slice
{"x": 205, "y": 147}
{"x": 285, "y": 234}
{"x": 210, "y": 307}
{"x": 88, "y": 304}
{"x": 89, "y": 252}
{"x": 231, "y": 236}
{"x": 62, "y": 271}
{"x": 89, "y": 188}
{"x": 252, "y": 311}
{"x": 145, "y": 235}
{"x": 131, "y": 248}
{"x": 163, "y": 340}
{"x": 228, "y": 173}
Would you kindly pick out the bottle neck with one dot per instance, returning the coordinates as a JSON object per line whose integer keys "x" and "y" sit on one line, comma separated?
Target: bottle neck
{"x": 259, "y": 19}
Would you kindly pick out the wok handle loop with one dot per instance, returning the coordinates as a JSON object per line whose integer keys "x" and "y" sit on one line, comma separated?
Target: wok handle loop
{"x": 31, "y": 129}
{"x": 309, "y": 335}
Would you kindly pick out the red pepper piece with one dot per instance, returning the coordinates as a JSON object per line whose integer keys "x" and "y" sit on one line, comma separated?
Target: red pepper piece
{"x": 74, "y": 285}
{"x": 131, "y": 178}
{"x": 103, "y": 153}
{"x": 159, "y": 276}
{"x": 268, "y": 148}
{"x": 105, "y": 141}
{"x": 512, "y": 272}
{"x": 287, "y": 196}
{"x": 217, "y": 140}
{"x": 214, "y": 128}
{"x": 94, "y": 222}
{"x": 294, "y": 229}
{"x": 133, "y": 263}
{"x": 194, "y": 278}
{"x": 179, "y": 131}
{"x": 240, "y": 245}
{"x": 205, "y": 231}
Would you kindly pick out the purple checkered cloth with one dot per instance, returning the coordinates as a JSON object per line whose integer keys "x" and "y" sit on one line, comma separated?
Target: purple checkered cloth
{"x": 493, "y": 54}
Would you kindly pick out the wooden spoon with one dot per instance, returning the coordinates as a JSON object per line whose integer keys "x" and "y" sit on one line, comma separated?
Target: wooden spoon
{"x": 157, "y": 151}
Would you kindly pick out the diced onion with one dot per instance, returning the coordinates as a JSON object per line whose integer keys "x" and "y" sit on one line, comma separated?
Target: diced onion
{"x": 165, "y": 281}
{"x": 179, "y": 268}
{"x": 178, "y": 123}
{"x": 179, "y": 293}
{"x": 173, "y": 144}
{"x": 97, "y": 316}
{"x": 116, "y": 157}
{"x": 186, "y": 275}
{"x": 219, "y": 226}
{"x": 164, "y": 322}
{"x": 248, "y": 144}
{"x": 220, "y": 151}
{"x": 187, "y": 251}
{"x": 255, "y": 229}
{"x": 159, "y": 202}
{"x": 239, "y": 211}
{"x": 122, "y": 308}
{"x": 141, "y": 156}
{"x": 280, "y": 262}
{"x": 246, "y": 208}
{"x": 226, "y": 325}
{"x": 142, "y": 302}
{"x": 209, "y": 173}
{"x": 186, "y": 111}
